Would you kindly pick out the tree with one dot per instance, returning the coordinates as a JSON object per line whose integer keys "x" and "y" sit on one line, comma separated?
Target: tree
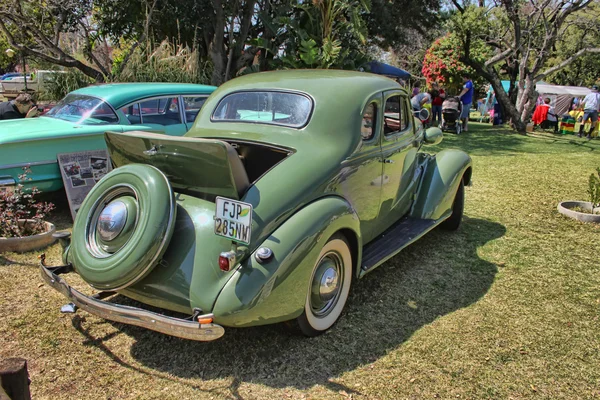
{"x": 582, "y": 31}
{"x": 36, "y": 29}
{"x": 522, "y": 37}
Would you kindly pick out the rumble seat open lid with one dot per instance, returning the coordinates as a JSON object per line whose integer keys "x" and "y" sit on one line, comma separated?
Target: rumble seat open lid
{"x": 207, "y": 167}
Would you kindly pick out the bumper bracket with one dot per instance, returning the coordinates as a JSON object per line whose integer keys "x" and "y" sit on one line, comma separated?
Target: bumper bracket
{"x": 183, "y": 328}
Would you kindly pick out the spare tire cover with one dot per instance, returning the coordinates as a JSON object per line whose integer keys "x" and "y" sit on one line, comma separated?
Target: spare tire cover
{"x": 123, "y": 227}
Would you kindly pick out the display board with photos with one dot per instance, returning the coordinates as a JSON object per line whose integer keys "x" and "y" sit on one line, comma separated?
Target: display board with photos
{"x": 80, "y": 172}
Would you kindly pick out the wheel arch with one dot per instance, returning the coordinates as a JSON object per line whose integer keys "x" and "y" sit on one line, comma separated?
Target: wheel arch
{"x": 269, "y": 292}
{"x": 443, "y": 173}
{"x": 355, "y": 248}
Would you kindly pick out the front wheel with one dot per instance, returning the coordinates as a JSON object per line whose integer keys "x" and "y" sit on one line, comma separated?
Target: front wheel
{"x": 328, "y": 287}
{"x": 453, "y": 222}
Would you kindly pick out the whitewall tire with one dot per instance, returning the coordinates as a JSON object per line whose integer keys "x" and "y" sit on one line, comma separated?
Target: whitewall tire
{"x": 328, "y": 287}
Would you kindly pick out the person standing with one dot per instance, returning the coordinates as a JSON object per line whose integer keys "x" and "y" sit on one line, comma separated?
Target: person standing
{"x": 21, "y": 107}
{"x": 466, "y": 97}
{"x": 437, "y": 98}
{"x": 590, "y": 104}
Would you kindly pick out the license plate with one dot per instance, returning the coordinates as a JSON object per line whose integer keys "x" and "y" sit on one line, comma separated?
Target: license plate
{"x": 233, "y": 220}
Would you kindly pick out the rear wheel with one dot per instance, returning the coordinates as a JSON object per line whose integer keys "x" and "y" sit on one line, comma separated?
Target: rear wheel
{"x": 453, "y": 222}
{"x": 328, "y": 288}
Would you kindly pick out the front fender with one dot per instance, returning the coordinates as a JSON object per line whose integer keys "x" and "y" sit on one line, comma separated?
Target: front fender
{"x": 275, "y": 290}
{"x": 442, "y": 176}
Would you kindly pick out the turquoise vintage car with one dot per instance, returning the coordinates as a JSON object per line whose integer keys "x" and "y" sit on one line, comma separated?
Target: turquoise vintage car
{"x": 289, "y": 187}
{"x": 78, "y": 122}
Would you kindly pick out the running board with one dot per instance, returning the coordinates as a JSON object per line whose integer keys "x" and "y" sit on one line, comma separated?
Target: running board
{"x": 404, "y": 232}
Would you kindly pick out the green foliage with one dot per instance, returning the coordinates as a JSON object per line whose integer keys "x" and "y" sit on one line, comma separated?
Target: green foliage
{"x": 60, "y": 84}
{"x": 398, "y": 23}
{"x": 167, "y": 63}
{"x": 594, "y": 188}
{"x": 580, "y": 33}
{"x": 318, "y": 34}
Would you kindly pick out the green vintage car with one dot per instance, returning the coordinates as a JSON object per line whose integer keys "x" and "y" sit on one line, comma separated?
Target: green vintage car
{"x": 78, "y": 122}
{"x": 289, "y": 187}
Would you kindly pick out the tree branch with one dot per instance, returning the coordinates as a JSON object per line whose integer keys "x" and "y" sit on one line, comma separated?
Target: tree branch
{"x": 567, "y": 62}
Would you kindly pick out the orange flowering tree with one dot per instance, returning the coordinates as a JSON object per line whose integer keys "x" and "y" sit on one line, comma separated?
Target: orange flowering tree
{"x": 441, "y": 63}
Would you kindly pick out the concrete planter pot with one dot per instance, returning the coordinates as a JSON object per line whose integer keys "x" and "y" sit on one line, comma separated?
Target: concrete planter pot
{"x": 591, "y": 214}
{"x": 28, "y": 243}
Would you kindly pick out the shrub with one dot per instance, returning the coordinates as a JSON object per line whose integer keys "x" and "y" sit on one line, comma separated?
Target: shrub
{"x": 21, "y": 204}
{"x": 594, "y": 188}
{"x": 166, "y": 63}
{"x": 60, "y": 84}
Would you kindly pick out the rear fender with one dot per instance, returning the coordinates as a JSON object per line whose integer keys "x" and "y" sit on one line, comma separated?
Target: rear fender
{"x": 443, "y": 173}
{"x": 275, "y": 290}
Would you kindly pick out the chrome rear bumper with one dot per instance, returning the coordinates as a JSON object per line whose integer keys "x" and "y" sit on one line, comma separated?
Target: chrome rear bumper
{"x": 186, "y": 329}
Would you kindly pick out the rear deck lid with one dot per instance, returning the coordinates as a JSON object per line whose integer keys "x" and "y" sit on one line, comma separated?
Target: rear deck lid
{"x": 205, "y": 168}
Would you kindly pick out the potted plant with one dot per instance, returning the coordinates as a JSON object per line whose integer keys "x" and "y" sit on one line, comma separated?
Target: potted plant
{"x": 22, "y": 225}
{"x": 585, "y": 211}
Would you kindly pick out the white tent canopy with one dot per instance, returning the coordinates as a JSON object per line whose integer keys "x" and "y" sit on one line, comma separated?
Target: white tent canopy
{"x": 575, "y": 91}
{"x": 561, "y": 96}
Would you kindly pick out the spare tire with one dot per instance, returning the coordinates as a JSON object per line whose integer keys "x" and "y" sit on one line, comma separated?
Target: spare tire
{"x": 123, "y": 227}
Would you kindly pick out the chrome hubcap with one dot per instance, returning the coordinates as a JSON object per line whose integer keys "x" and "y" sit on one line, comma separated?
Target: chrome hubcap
{"x": 112, "y": 220}
{"x": 326, "y": 284}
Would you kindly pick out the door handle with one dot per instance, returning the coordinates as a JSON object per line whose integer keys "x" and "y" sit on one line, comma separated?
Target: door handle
{"x": 386, "y": 161}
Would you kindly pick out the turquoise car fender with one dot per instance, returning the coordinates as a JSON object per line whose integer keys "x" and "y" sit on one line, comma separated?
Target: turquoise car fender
{"x": 275, "y": 290}
{"x": 440, "y": 182}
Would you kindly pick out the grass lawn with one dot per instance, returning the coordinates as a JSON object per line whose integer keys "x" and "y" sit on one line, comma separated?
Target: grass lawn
{"x": 505, "y": 308}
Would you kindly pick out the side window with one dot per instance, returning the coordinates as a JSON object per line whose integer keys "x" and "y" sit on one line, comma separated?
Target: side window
{"x": 367, "y": 126}
{"x": 395, "y": 117}
{"x": 192, "y": 105}
{"x": 163, "y": 111}
{"x": 132, "y": 112}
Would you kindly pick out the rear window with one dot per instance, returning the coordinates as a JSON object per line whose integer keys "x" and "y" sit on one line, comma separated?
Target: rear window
{"x": 278, "y": 108}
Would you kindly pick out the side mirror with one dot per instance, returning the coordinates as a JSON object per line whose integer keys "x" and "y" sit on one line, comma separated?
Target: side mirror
{"x": 433, "y": 135}
{"x": 423, "y": 114}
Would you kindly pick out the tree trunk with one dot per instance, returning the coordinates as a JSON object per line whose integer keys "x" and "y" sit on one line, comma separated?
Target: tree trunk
{"x": 217, "y": 47}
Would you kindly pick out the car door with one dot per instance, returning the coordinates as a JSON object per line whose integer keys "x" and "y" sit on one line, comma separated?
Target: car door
{"x": 360, "y": 176}
{"x": 399, "y": 151}
{"x": 160, "y": 113}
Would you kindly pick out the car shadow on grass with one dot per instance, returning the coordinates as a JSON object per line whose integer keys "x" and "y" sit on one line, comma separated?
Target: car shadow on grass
{"x": 434, "y": 277}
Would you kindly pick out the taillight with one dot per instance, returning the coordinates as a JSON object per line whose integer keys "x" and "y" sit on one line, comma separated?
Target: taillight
{"x": 226, "y": 260}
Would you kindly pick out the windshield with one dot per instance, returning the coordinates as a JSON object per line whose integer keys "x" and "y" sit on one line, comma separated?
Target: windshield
{"x": 279, "y": 108}
{"x": 84, "y": 110}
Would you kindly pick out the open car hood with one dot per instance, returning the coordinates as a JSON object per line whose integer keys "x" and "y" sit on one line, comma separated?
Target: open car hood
{"x": 205, "y": 168}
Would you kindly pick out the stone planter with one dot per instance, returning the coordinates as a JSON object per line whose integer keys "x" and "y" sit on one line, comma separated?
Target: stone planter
{"x": 567, "y": 208}
{"x": 28, "y": 243}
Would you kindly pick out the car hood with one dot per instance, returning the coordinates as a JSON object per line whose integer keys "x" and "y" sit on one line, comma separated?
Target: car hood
{"x": 43, "y": 128}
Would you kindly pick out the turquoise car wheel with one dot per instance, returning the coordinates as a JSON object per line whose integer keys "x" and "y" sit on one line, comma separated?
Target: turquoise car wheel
{"x": 123, "y": 227}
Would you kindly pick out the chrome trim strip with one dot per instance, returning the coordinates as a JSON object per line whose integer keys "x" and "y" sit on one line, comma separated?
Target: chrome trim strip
{"x": 74, "y": 135}
{"x": 182, "y": 328}
{"x": 7, "y": 182}
{"x": 28, "y": 164}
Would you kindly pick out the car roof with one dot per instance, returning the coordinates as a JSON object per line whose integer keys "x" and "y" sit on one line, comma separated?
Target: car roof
{"x": 339, "y": 100}
{"x": 120, "y": 94}
{"x": 323, "y": 83}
